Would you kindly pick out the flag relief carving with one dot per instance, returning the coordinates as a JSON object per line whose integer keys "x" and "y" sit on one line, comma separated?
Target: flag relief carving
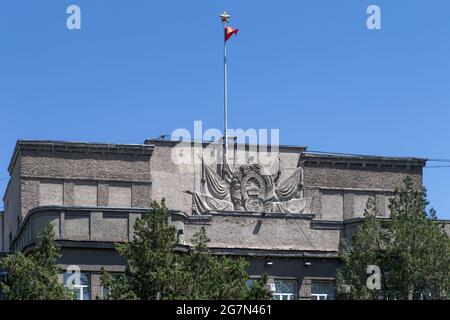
{"x": 251, "y": 188}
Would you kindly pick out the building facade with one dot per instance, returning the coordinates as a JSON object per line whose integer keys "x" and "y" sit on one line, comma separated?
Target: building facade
{"x": 2, "y": 246}
{"x": 286, "y": 215}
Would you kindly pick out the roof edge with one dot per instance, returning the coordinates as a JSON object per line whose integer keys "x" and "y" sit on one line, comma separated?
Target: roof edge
{"x": 73, "y": 146}
{"x": 157, "y": 142}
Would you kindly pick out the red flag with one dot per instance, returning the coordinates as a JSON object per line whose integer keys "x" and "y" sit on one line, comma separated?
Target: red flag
{"x": 229, "y": 31}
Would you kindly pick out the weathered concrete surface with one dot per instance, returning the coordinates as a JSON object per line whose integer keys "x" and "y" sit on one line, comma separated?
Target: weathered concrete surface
{"x": 240, "y": 231}
{"x": 52, "y": 173}
{"x": 359, "y": 177}
{"x": 170, "y": 180}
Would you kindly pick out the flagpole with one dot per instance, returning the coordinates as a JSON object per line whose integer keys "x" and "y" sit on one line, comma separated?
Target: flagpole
{"x": 225, "y": 92}
{"x": 225, "y": 17}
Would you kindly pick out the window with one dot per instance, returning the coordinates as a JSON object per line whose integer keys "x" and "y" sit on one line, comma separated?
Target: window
{"x": 249, "y": 283}
{"x": 285, "y": 290}
{"x": 81, "y": 287}
{"x": 105, "y": 293}
{"x": 322, "y": 290}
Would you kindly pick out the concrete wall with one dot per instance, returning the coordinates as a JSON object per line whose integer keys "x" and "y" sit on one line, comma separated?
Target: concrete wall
{"x": 85, "y": 165}
{"x": 340, "y": 187}
{"x": 74, "y": 174}
{"x": 67, "y": 192}
{"x": 272, "y": 232}
{"x": 341, "y": 190}
{"x": 359, "y": 176}
{"x": 170, "y": 180}
{"x": 85, "y": 194}
{"x": 85, "y": 180}
{"x": 101, "y": 225}
{"x": 90, "y": 175}
{"x": 173, "y": 170}
{"x": 12, "y": 202}
{"x": 2, "y": 246}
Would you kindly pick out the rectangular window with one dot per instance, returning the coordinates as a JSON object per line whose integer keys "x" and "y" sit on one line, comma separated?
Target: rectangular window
{"x": 105, "y": 293}
{"x": 79, "y": 283}
{"x": 285, "y": 290}
{"x": 322, "y": 290}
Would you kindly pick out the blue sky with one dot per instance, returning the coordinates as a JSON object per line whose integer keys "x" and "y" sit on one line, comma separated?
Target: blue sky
{"x": 142, "y": 68}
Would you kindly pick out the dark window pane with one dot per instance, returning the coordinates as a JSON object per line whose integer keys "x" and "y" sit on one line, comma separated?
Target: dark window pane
{"x": 322, "y": 290}
{"x": 285, "y": 290}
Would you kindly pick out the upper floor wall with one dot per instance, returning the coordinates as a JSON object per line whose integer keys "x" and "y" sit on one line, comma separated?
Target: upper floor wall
{"x": 338, "y": 185}
{"x": 342, "y": 185}
{"x": 49, "y": 173}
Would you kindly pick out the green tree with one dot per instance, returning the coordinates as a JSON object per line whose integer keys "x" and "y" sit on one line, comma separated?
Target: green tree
{"x": 216, "y": 277}
{"x": 34, "y": 276}
{"x": 258, "y": 290}
{"x": 152, "y": 266}
{"x": 418, "y": 246}
{"x": 365, "y": 249}
{"x": 118, "y": 286}
{"x": 155, "y": 270}
{"x": 411, "y": 248}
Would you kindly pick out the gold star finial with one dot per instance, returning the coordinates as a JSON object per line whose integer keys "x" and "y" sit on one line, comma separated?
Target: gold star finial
{"x": 225, "y": 17}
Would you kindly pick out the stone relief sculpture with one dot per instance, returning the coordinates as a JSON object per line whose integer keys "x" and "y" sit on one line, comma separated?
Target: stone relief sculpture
{"x": 250, "y": 188}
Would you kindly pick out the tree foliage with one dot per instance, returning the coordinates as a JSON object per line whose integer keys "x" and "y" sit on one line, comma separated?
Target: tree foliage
{"x": 364, "y": 250}
{"x": 156, "y": 270}
{"x": 34, "y": 276}
{"x": 411, "y": 248}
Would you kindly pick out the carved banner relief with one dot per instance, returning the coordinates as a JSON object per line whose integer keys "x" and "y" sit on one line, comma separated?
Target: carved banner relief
{"x": 250, "y": 188}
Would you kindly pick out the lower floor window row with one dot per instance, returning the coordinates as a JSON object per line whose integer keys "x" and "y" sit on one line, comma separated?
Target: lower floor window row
{"x": 285, "y": 289}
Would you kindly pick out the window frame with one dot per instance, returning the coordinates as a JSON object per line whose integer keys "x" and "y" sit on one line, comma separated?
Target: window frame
{"x": 80, "y": 288}
{"x": 319, "y": 296}
{"x": 291, "y": 296}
